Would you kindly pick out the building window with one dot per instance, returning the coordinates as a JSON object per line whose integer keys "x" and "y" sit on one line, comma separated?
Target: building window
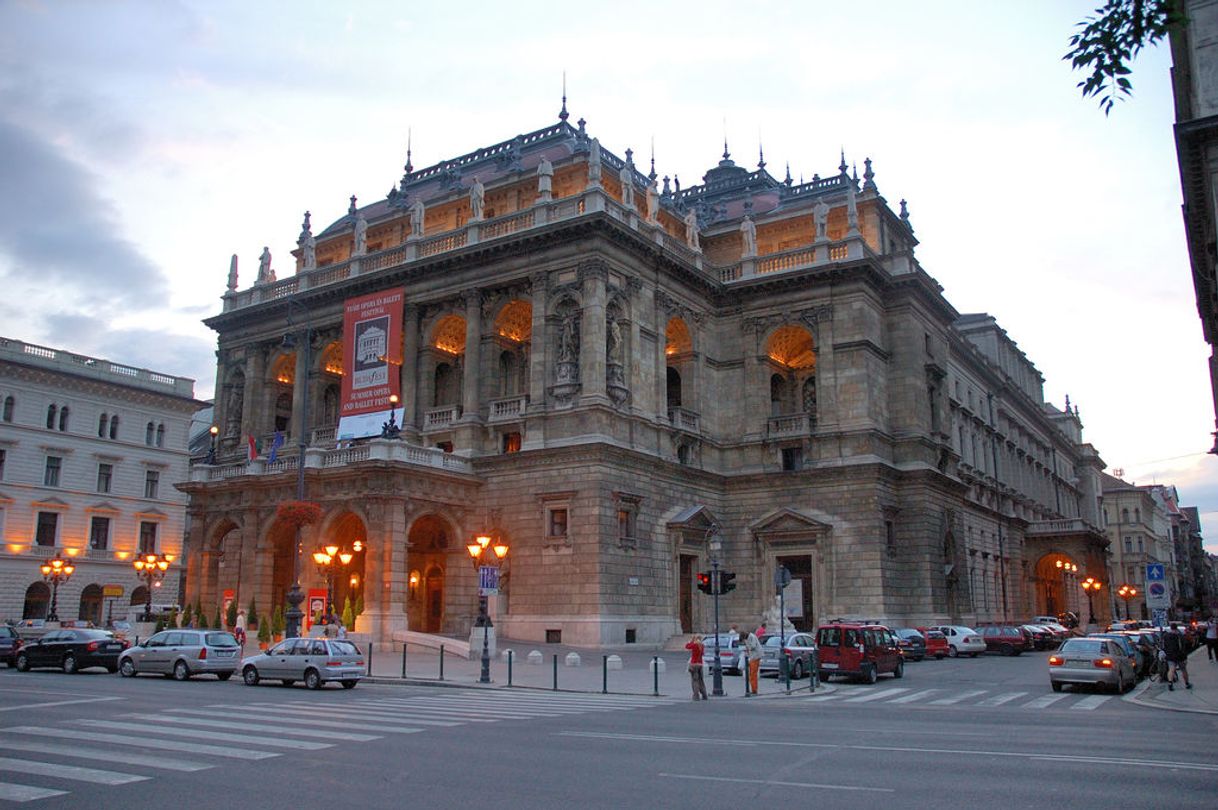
{"x": 1140, "y": 548}
{"x": 101, "y": 426}
{"x": 625, "y": 527}
{"x": 52, "y": 411}
{"x": 99, "y": 532}
{"x": 47, "y": 530}
{"x": 50, "y": 476}
{"x": 447, "y": 447}
{"x": 147, "y": 537}
{"x": 3, "y": 456}
{"x": 683, "y": 454}
{"x": 152, "y": 482}
{"x": 160, "y": 435}
{"x": 63, "y": 418}
{"x": 1128, "y": 546}
{"x": 105, "y": 475}
{"x": 556, "y": 524}
{"x": 9, "y": 405}
{"x": 149, "y": 430}
{"x": 792, "y": 458}
{"x": 114, "y": 426}
{"x": 511, "y": 442}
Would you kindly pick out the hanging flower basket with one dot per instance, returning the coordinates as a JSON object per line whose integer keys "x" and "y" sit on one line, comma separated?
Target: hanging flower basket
{"x": 298, "y": 513}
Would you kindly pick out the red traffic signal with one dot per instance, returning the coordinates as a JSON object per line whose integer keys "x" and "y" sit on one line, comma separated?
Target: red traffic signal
{"x": 704, "y": 582}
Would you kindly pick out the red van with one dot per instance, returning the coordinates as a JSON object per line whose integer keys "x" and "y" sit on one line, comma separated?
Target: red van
{"x": 858, "y": 650}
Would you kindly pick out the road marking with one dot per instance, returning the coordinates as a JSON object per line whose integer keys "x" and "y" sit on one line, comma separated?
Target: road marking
{"x": 773, "y": 782}
{"x": 1091, "y": 702}
{"x": 26, "y": 793}
{"x": 916, "y": 696}
{"x": 124, "y": 757}
{"x": 463, "y": 711}
{"x": 57, "y": 703}
{"x": 300, "y": 732}
{"x": 272, "y": 718}
{"x": 145, "y": 742}
{"x": 256, "y": 739}
{"x": 371, "y": 715}
{"x": 947, "y": 701}
{"x": 824, "y": 698}
{"x": 73, "y": 772}
{"x": 1042, "y": 702}
{"x": 886, "y": 693}
{"x": 998, "y": 700}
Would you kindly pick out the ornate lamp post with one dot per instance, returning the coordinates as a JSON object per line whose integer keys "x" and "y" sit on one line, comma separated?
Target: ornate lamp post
{"x": 214, "y": 430}
{"x": 296, "y": 594}
{"x": 151, "y": 569}
{"x": 1127, "y": 592}
{"x": 715, "y": 545}
{"x": 1091, "y": 585}
{"x": 390, "y": 429}
{"x": 328, "y": 558}
{"x": 55, "y": 571}
{"x": 477, "y": 550}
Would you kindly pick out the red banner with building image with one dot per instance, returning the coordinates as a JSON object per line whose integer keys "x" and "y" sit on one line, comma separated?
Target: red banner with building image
{"x": 372, "y": 345}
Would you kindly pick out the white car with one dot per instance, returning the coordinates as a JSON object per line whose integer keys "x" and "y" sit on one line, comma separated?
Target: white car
{"x": 962, "y": 640}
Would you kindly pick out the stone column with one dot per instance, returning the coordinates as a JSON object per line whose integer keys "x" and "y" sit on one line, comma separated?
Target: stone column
{"x": 661, "y": 358}
{"x": 410, "y": 366}
{"x": 255, "y": 383}
{"x": 385, "y": 572}
{"x": 594, "y": 276}
{"x": 194, "y": 557}
{"x": 300, "y": 390}
{"x": 538, "y": 346}
{"x": 473, "y": 341}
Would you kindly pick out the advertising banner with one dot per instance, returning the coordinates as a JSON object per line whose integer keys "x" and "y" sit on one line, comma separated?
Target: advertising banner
{"x": 372, "y": 345}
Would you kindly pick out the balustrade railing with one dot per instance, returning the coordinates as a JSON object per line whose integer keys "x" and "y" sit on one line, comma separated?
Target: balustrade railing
{"x": 792, "y": 259}
{"x": 683, "y": 419}
{"x": 796, "y": 424}
{"x": 345, "y": 455}
{"x": 442, "y": 244}
{"x": 324, "y": 437}
{"x": 440, "y": 417}
{"x": 508, "y": 408}
{"x": 505, "y": 225}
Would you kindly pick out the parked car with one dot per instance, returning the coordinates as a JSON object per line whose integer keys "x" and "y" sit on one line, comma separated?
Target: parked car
{"x": 121, "y": 628}
{"x": 731, "y": 653}
{"x": 799, "y": 649}
{"x": 316, "y": 661}
{"x": 1131, "y": 649}
{"x": 911, "y": 642}
{"x": 71, "y": 651}
{"x": 1042, "y": 637}
{"x": 936, "y": 643}
{"x": 858, "y": 650}
{"x": 962, "y": 640}
{"x": 183, "y": 653}
{"x": 1004, "y": 640}
{"x": 10, "y": 642}
{"x": 1091, "y": 662}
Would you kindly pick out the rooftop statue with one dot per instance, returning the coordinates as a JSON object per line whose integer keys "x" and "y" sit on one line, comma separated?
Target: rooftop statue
{"x": 594, "y": 163}
{"x": 265, "y": 274}
{"x": 477, "y": 198}
{"x": 361, "y": 235}
{"x": 748, "y": 232}
{"x": 626, "y": 175}
{"x": 653, "y": 203}
{"x": 821, "y": 212}
{"x": 691, "y": 230}
{"x": 417, "y": 212}
{"x": 232, "y": 273}
{"x": 545, "y": 178}
{"x": 308, "y": 250}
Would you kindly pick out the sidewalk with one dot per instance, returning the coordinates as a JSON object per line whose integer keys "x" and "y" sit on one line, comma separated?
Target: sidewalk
{"x": 1202, "y": 698}
{"x": 634, "y": 678}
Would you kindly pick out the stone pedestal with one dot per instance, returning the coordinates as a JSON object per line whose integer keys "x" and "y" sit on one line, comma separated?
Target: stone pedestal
{"x": 475, "y": 642}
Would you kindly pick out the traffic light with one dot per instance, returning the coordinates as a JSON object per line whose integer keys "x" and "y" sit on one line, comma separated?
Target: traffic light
{"x": 704, "y": 582}
{"x": 727, "y": 581}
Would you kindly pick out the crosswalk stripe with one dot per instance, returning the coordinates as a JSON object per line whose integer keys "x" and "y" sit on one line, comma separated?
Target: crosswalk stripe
{"x": 71, "y": 772}
{"x": 1044, "y": 701}
{"x": 300, "y": 732}
{"x": 998, "y": 700}
{"x": 886, "y": 693}
{"x": 273, "y": 717}
{"x": 538, "y": 704}
{"x": 584, "y": 699}
{"x": 1091, "y": 702}
{"x": 256, "y": 739}
{"x": 26, "y": 793}
{"x": 824, "y": 698}
{"x": 124, "y": 757}
{"x": 916, "y": 696}
{"x": 367, "y": 714}
{"x": 947, "y": 701}
{"x": 467, "y": 712}
{"x": 482, "y": 706}
{"x": 145, "y": 742}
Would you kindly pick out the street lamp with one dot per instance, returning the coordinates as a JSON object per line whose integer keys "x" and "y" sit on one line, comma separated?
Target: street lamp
{"x": 214, "y": 430}
{"x": 55, "y": 571}
{"x": 1091, "y": 584}
{"x": 476, "y": 551}
{"x": 1127, "y": 592}
{"x": 715, "y": 545}
{"x": 151, "y": 569}
{"x": 328, "y": 558}
{"x": 390, "y": 429}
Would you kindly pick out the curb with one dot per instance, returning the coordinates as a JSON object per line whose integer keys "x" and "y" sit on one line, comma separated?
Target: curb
{"x": 1138, "y": 698}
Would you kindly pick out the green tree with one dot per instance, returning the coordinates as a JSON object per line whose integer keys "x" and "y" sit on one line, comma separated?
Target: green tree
{"x": 160, "y": 625}
{"x": 348, "y": 615}
{"x": 1113, "y": 38}
{"x": 216, "y": 622}
{"x": 202, "y": 619}
{"x": 277, "y": 622}
{"x": 251, "y": 615}
{"x": 230, "y": 616}
{"x": 186, "y": 615}
{"x": 264, "y": 632}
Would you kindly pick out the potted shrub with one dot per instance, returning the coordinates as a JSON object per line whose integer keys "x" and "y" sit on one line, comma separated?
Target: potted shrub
{"x": 230, "y": 617}
{"x": 216, "y": 621}
{"x": 264, "y": 635}
{"x": 187, "y": 615}
{"x": 277, "y": 623}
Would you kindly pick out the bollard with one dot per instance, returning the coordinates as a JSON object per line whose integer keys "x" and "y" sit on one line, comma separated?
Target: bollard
{"x": 655, "y": 675}
{"x": 511, "y": 654}
{"x": 814, "y": 675}
{"x": 441, "y": 662}
{"x": 555, "y": 672}
{"x": 784, "y": 670}
{"x": 604, "y": 674}
{"x": 369, "y": 659}
{"x": 403, "y": 660}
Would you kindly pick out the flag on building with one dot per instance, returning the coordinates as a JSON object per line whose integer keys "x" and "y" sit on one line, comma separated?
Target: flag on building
{"x": 276, "y": 443}
{"x": 255, "y": 449}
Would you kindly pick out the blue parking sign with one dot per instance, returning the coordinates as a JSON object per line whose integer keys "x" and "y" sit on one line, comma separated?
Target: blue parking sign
{"x": 1155, "y": 572}
{"x": 488, "y": 580}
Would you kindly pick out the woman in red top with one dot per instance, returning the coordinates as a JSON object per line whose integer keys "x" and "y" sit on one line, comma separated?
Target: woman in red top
{"x": 697, "y": 682}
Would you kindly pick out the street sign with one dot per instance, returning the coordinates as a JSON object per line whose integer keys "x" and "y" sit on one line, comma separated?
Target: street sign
{"x": 112, "y": 590}
{"x": 488, "y": 580}
{"x": 1158, "y": 596}
{"x": 1155, "y": 572}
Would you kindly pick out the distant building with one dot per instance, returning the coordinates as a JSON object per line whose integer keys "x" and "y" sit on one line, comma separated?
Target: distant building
{"x": 625, "y": 379}
{"x": 90, "y": 451}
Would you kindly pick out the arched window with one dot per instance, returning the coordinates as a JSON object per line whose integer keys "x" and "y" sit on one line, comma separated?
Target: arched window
{"x": 101, "y": 425}
{"x": 445, "y": 385}
{"x": 63, "y": 418}
{"x": 283, "y": 411}
{"x": 809, "y": 398}
{"x": 508, "y": 373}
{"x": 1137, "y": 514}
{"x": 778, "y": 395}
{"x": 1124, "y": 515}
{"x": 52, "y": 411}
{"x": 673, "y": 386}
{"x": 9, "y": 404}
{"x": 149, "y": 430}
{"x": 37, "y": 601}
{"x": 114, "y": 426}
{"x": 329, "y": 406}
{"x": 160, "y": 435}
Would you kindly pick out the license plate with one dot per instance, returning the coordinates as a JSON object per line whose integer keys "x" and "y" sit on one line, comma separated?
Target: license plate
{"x": 114, "y": 646}
{"x": 223, "y": 654}
{"x": 828, "y": 666}
{"x": 1078, "y": 662}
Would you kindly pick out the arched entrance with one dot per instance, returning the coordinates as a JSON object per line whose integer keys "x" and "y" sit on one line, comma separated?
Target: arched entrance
{"x": 37, "y": 601}
{"x": 1055, "y": 573}
{"x": 139, "y": 599}
{"x": 430, "y": 539}
{"x": 282, "y": 540}
{"x": 91, "y": 604}
{"x": 349, "y": 533}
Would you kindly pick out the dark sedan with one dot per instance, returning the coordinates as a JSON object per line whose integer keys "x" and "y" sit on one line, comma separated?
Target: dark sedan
{"x": 71, "y": 651}
{"x": 10, "y": 642}
{"x": 911, "y": 642}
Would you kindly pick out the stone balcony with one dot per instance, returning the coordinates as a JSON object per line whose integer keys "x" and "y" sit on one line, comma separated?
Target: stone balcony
{"x": 441, "y": 418}
{"x": 683, "y": 419}
{"x": 507, "y": 409}
{"x": 321, "y": 458}
{"x": 789, "y": 426}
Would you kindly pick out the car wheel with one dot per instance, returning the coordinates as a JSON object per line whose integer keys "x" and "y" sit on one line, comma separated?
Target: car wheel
{"x": 349, "y": 684}
{"x": 869, "y": 674}
{"x": 1119, "y": 687}
{"x": 112, "y": 670}
{"x": 1057, "y": 687}
{"x": 181, "y": 672}
{"x": 250, "y": 676}
{"x": 224, "y": 676}
{"x": 313, "y": 679}
{"x": 69, "y": 664}
{"x": 1007, "y": 649}
{"x": 899, "y": 672}
{"x": 797, "y": 671}
{"x": 127, "y": 668}
{"x": 952, "y": 652}
{"x": 23, "y": 663}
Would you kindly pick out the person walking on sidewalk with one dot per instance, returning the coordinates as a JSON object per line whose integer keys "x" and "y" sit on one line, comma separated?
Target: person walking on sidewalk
{"x": 696, "y": 680}
{"x": 752, "y": 648}
{"x": 1211, "y": 638}
{"x": 1177, "y": 656}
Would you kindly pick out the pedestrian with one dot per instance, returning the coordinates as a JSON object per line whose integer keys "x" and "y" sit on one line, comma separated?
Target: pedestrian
{"x": 1211, "y": 638}
{"x": 331, "y": 628}
{"x": 696, "y": 679}
{"x": 1177, "y": 657}
{"x": 761, "y": 631}
{"x": 342, "y": 630}
{"x": 241, "y": 623}
{"x": 239, "y": 634}
{"x": 752, "y": 649}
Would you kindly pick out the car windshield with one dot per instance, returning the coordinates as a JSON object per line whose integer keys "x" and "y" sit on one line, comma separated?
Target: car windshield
{"x": 221, "y": 640}
{"x": 94, "y": 634}
{"x": 343, "y": 647}
{"x": 1084, "y": 646}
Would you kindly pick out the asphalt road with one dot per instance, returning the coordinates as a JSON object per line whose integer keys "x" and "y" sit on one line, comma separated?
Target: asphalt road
{"x": 959, "y": 733}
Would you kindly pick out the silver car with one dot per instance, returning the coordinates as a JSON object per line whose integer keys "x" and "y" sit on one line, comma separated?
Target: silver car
{"x": 800, "y": 650}
{"x": 1092, "y": 662}
{"x": 312, "y": 660}
{"x": 182, "y": 654}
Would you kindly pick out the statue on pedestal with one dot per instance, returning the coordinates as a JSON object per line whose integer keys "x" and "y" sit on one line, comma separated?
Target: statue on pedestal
{"x": 748, "y": 233}
{"x": 308, "y": 249}
{"x": 626, "y": 175}
{"x": 653, "y": 203}
{"x": 265, "y": 274}
{"x": 691, "y": 230}
{"x": 594, "y": 163}
{"x": 361, "y": 235}
{"x": 545, "y": 177}
{"x": 821, "y": 213}
{"x": 477, "y": 198}
{"x": 417, "y": 212}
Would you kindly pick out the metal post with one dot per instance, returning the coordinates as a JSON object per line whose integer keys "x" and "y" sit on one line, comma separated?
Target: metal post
{"x": 485, "y": 677}
{"x": 655, "y": 675}
{"x": 555, "y": 672}
{"x": 717, "y": 670}
{"x": 370, "y": 645}
{"x": 441, "y": 662}
{"x": 511, "y": 655}
{"x": 54, "y": 615}
{"x": 604, "y": 674}
{"x": 403, "y": 659}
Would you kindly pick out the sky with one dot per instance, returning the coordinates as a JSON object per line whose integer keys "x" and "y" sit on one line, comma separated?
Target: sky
{"x": 144, "y": 143}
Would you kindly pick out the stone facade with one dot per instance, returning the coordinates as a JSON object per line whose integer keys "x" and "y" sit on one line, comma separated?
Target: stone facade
{"x": 90, "y": 451}
{"x": 621, "y": 392}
